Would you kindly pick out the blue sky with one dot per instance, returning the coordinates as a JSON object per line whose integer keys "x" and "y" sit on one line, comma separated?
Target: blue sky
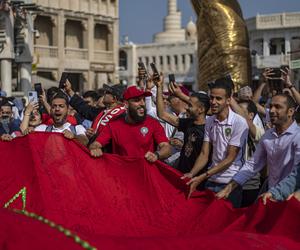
{"x": 140, "y": 19}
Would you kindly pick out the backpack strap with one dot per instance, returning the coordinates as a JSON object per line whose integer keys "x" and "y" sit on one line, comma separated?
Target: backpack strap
{"x": 73, "y": 129}
{"x": 49, "y": 128}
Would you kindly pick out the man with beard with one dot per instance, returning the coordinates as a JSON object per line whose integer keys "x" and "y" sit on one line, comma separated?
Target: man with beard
{"x": 58, "y": 112}
{"x": 279, "y": 148}
{"x": 9, "y": 127}
{"x": 135, "y": 133}
{"x": 192, "y": 127}
{"x": 225, "y": 135}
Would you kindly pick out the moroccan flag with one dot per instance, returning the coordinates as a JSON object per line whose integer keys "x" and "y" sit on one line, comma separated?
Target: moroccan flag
{"x": 118, "y": 202}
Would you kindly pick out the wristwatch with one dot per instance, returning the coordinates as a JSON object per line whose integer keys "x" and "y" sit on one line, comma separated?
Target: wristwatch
{"x": 157, "y": 154}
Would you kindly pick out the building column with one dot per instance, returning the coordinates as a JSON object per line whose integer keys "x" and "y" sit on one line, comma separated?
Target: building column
{"x": 266, "y": 51}
{"x": 61, "y": 21}
{"x": 90, "y": 45}
{"x": 6, "y": 76}
{"x": 187, "y": 63}
{"x": 287, "y": 44}
{"x": 115, "y": 48}
{"x": 25, "y": 75}
{"x": 180, "y": 65}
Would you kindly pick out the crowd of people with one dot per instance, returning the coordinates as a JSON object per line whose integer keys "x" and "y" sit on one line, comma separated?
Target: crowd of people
{"x": 238, "y": 145}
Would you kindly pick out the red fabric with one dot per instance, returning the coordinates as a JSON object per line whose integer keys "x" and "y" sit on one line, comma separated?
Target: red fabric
{"x": 147, "y": 135}
{"x": 46, "y": 119}
{"x": 104, "y": 117}
{"x": 126, "y": 203}
{"x": 20, "y": 232}
{"x": 135, "y": 92}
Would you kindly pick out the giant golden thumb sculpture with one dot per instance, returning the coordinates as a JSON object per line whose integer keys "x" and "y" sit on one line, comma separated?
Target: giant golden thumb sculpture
{"x": 223, "y": 45}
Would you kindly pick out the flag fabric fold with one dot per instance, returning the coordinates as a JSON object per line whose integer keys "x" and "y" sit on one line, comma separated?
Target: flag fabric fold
{"x": 127, "y": 203}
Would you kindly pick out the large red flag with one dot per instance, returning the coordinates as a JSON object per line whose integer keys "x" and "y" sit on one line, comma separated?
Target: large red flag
{"x": 126, "y": 203}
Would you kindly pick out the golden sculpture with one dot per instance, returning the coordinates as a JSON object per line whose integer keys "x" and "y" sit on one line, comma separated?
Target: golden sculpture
{"x": 223, "y": 44}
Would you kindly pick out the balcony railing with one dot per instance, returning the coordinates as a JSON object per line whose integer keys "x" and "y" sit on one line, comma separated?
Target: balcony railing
{"x": 74, "y": 53}
{"x": 272, "y": 61}
{"x": 103, "y": 56}
{"x": 46, "y": 51}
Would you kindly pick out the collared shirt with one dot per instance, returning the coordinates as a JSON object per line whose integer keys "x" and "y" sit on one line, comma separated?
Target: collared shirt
{"x": 280, "y": 152}
{"x": 287, "y": 186}
{"x": 233, "y": 131}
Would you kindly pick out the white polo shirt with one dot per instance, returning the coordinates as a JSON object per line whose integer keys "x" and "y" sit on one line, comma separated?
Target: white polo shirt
{"x": 232, "y": 131}
{"x": 79, "y": 129}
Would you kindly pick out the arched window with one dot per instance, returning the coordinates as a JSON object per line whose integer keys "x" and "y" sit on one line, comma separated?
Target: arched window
{"x": 101, "y": 41}
{"x": 44, "y": 26}
{"x": 74, "y": 34}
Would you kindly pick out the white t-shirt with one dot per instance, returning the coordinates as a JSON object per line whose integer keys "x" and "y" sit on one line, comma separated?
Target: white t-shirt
{"x": 79, "y": 129}
{"x": 232, "y": 131}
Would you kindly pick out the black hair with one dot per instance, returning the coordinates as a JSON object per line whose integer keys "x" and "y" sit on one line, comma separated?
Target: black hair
{"x": 5, "y": 103}
{"x": 51, "y": 92}
{"x": 289, "y": 100}
{"x": 101, "y": 92}
{"x": 60, "y": 95}
{"x": 223, "y": 83}
{"x": 92, "y": 94}
{"x": 251, "y": 107}
{"x": 203, "y": 99}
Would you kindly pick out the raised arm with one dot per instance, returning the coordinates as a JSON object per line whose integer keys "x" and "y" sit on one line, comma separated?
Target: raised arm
{"x": 161, "y": 112}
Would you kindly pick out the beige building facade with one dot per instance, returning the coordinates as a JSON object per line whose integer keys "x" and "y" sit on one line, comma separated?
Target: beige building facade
{"x": 275, "y": 42}
{"x": 77, "y": 36}
{"x": 173, "y": 51}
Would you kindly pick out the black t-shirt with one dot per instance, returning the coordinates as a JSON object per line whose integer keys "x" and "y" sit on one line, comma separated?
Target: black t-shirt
{"x": 193, "y": 140}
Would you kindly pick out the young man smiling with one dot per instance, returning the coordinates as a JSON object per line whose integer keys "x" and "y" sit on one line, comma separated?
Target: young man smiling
{"x": 225, "y": 135}
{"x": 279, "y": 148}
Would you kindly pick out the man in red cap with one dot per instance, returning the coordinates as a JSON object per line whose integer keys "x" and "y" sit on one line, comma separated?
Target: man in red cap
{"x": 134, "y": 134}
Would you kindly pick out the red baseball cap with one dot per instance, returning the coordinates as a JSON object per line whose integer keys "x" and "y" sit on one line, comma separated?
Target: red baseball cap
{"x": 134, "y": 92}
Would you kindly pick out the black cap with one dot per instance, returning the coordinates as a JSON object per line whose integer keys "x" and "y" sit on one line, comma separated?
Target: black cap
{"x": 116, "y": 90}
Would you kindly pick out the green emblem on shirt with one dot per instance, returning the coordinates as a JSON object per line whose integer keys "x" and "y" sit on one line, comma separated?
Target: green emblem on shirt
{"x": 228, "y": 132}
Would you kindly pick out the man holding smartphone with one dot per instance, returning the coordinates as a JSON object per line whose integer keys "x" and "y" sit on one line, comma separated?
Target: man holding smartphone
{"x": 59, "y": 111}
{"x": 192, "y": 127}
{"x": 100, "y": 116}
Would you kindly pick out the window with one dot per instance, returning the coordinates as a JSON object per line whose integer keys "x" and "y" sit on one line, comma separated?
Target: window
{"x": 191, "y": 58}
{"x": 101, "y": 37}
{"x": 154, "y": 59}
{"x": 123, "y": 60}
{"x": 183, "y": 59}
{"x": 176, "y": 60}
{"x": 168, "y": 60}
{"x": 161, "y": 60}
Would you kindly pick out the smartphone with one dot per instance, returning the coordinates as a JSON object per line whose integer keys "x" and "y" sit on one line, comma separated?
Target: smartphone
{"x": 33, "y": 96}
{"x": 143, "y": 68}
{"x": 63, "y": 79}
{"x": 276, "y": 73}
{"x": 141, "y": 65}
{"x": 156, "y": 76}
{"x": 171, "y": 78}
{"x": 38, "y": 88}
